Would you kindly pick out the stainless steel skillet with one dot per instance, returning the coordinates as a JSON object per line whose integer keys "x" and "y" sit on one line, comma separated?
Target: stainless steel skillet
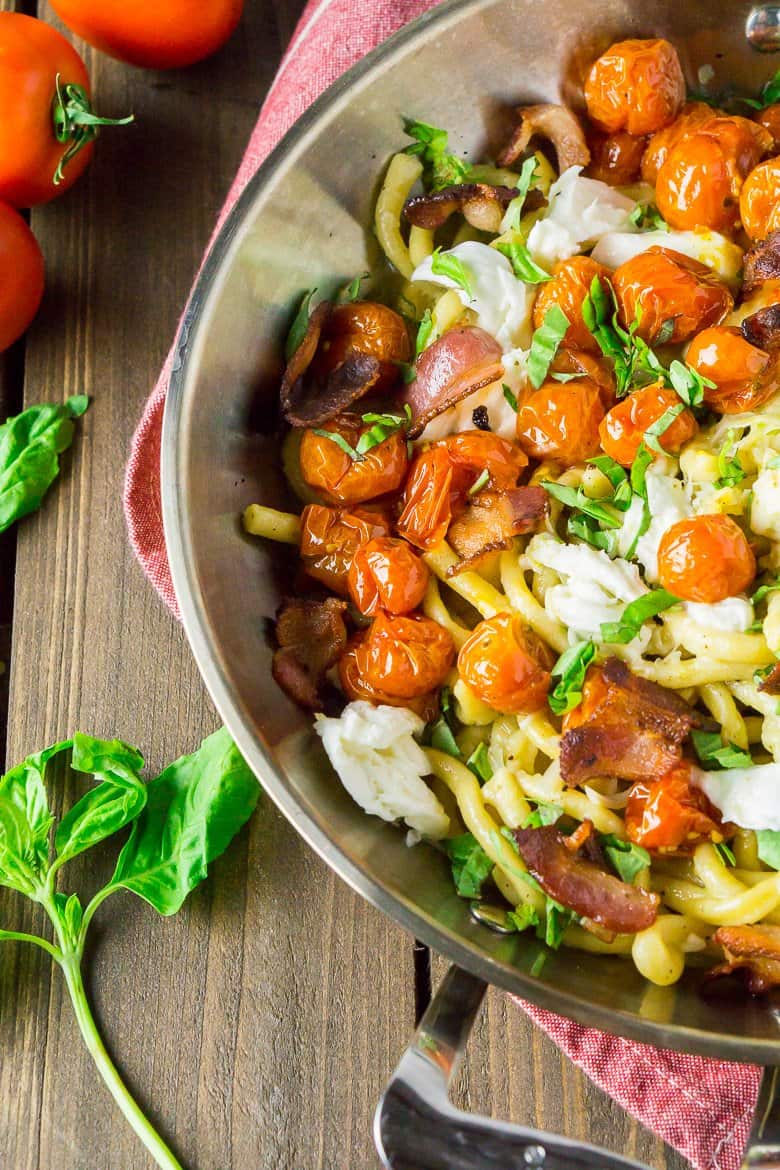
{"x": 303, "y": 222}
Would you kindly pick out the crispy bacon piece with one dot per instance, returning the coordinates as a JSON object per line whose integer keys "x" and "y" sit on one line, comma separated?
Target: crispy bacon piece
{"x": 762, "y": 263}
{"x": 460, "y": 362}
{"x": 312, "y": 636}
{"x": 771, "y": 684}
{"x": 481, "y": 205}
{"x": 490, "y": 522}
{"x": 582, "y": 886}
{"x": 751, "y": 951}
{"x": 625, "y": 726}
{"x": 762, "y": 328}
{"x": 556, "y": 123}
{"x": 309, "y": 403}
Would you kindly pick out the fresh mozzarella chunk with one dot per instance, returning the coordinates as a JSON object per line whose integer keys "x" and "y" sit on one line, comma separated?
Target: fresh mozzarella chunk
{"x": 382, "y": 766}
{"x": 668, "y": 503}
{"x": 748, "y": 797}
{"x": 580, "y": 212}
{"x": 733, "y": 616}
{"x": 502, "y": 303}
{"x": 765, "y": 512}
{"x": 710, "y": 248}
{"x": 501, "y": 416}
{"x": 593, "y": 588}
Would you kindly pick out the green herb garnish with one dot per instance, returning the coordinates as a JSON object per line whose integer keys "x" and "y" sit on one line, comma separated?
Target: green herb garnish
{"x": 725, "y": 853}
{"x": 299, "y": 325}
{"x": 545, "y": 343}
{"x": 479, "y": 764}
{"x": 570, "y": 671}
{"x": 524, "y": 266}
{"x": 730, "y": 470}
{"x": 340, "y": 442}
{"x": 636, "y": 614}
{"x": 445, "y": 264}
{"x": 544, "y": 814}
{"x": 769, "y": 847}
{"x": 510, "y": 397}
{"x": 711, "y": 750}
{"x": 442, "y": 169}
{"x": 471, "y": 866}
{"x": 30, "y": 446}
{"x": 381, "y": 427}
{"x": 424, "y": 331}
{"x": 688, "y": 383}
{"x": 514, "y": 211}
{"x": 625, "y": 858}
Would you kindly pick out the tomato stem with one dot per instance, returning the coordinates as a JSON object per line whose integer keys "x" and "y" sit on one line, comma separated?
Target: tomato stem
{"x": 75, "y": 122}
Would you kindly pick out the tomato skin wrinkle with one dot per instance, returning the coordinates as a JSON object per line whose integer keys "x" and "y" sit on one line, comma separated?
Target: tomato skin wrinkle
{"x": 624, "y": 426}
{"x": 660, "y": 286}
{"x": 506, "y": 665}
{"x": 636, "y": 86}
{"x": 343, "y": 479}
{"x": 386, "y": 574}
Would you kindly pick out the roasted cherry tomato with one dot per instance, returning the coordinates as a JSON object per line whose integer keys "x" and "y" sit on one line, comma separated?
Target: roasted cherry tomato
{"x": 46, "y": 132}
{"x": 560, "y": 421}
{"x": 705, "y": 558}
{"x": 506, "y": 665}
{"x": 21, "y": 275}
{"x": 596, "y": 369}
{"x": 637, "y": 85}
{"x": 166, "y": 35}
{"x": 386, "y": 574}
{"x": 427, "y": 499}
{"x": 675, "y": 296}
{"x": 692, "y": 115}
{"x": 744, "y": 375}
{"x": 671, "y": 815}
{"x": 343, "y": 478}
{"x": 471, "y": 453}
{"x": 624, "y": 427}
{"x": 769, "y": 118}
{"x": 700, "y": 182}
{"x": 759, "y": 200}
{"x": 330, "y": 537}
{"x": 615, "y": 158}
{"x": 364, "y": 327}
{"x": 570, "y": 284}
{"x": 404, "y": 657}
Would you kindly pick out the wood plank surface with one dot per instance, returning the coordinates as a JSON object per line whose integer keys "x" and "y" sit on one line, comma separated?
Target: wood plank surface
{"x": 259, "y": 1025}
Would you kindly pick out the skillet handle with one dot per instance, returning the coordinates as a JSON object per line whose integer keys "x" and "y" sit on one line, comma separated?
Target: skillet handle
{"x": 417, "y": 1128}
{"x": 762, "y": 1151}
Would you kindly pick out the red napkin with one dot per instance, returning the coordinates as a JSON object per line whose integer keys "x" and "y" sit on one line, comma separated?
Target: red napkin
{"x": 701, "y": 1107}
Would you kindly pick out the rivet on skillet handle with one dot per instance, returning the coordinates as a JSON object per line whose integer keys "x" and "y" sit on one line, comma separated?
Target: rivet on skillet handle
{"x": 762, "y": 28}
{"x": 416, "y": 1127}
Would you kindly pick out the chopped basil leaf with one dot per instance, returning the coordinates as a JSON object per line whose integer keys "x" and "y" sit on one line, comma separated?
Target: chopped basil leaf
{"x": 538, "y": 964}
{"x": 445, "y": 264}
{"x": 688, "y": 383}
{"x": 479, "y": 482}
{"x": 424, "y": 331}
{"x": 770, "y": 92}
{"x": 634, "y": 360}
{"x": 471, "y": 866}
{"x": 407, "y": 370}
{"x": 666, "y": 331}
{"x": 514, "y": 211}
{"x": 443, "y": 740}
{"x": 556, "y": 377}
{"x": 725, "y": 853}
{"x": 625, "y": 858}
{"x": 341, "y": 442}
{"x": 442, "y": 169}
{"x": 769, "y": 847}
{"x": 557, "y": 921}
{"x": 299, "y": 325}
{"x": 588, "y": 530}
{"x": 648, "y": 218}
{"x": 523, "y": 265}
{"x": 543, "y": 814}
{"x": 610, "y": 468}
{"x": 381, "y": 428}
{"x": 764, "y": 590}
{"x": 660, "y": 426}
{"x": 351, "y": 292}
{"x": 570, "y": 670}
{"x": 711, "y": 750}
{"x": 479, "y": 764}
{"x": 636, "y": 614}
{"x": 523, "y": 917}
{"x": 510, "y": 397}
{"x": 576, "y": 498}
{"x": 730, "y": 470}
{"x": 544, "y": 344}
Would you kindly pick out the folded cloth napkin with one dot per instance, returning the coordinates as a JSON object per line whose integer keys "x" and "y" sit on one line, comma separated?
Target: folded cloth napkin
{"x": 701, "y": 1107}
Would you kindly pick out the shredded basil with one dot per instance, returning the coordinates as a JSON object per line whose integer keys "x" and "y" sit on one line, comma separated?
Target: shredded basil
{"x": 442, "y": 169}
{"x": 626, "y": 858}
{"x": 725, "y": 853}
{"x": 688, "y": 383}
{"x": 424, "y": 331}
{"x": 660, "y": 426}
{"x": 523, "y": 917}
{"x": 445, "y": 264}
{"x": 576, "y": 498}
{"x": 769, "y": 847}
{"x": 524, "y": 266}
{"x": 341, "y": 442}
{"x": 351, "y": 292}
{"x": 545, "y": 813}
{"x": 588, "y": 530}
{"x": 479, "y": 764}
{"x": 382, "y": 426}
{"x": 648, "y": 218}
{"x": 636, "y": 614}
{"x": 764, "y": 590}
{"x": 570, "y": 671}
{"x": 730, "y": 470}
{"x": 471, "y": 866}
{"x": 299, "y": 325}
{"x": 514, "y": 211}
{"x": 711, "y": 750}
{"x": 510, "y": 397}
{"x": 479, "y": 482}
{"x": 544, "y": 344}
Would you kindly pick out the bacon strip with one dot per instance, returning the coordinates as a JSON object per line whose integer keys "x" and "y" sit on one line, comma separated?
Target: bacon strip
{"x": 556, "y": 123}
{"x": 312, "y": 636}
{"x": 490, "y": 522}
{"x": 625, "y": 726}
{"x": 582, "y": 886}
{"x": 762, "y": 263}
{"x": 460, "y": 362}
{"x": 762, "y": 328}
{"x": 482, "y": 206}
{"x": 751, "y": 951}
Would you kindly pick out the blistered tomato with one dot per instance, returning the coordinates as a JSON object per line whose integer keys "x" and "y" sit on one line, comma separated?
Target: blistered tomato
{"x": 570, "y": 284}
{"x": 330, "y": 537}
{"x": 769, "y": 118}
{"x": 404, "y": 657}
{"x": 473, "y": 452}
{"x": 615, "y": 158}
{"x": 624, "y": 427}
{"x": 705, "y": 558}
{"x": 343, "y": 478}
{"x": 692, "y": 115}
{"x": 386, "y": 574}
{"x": 364, "y": 327}
{"x": 597, "y": 369}
{"x": 674, "y": 295}
{"x": 560, "y": 421}
{"x": 427, "y": 500}
{"x": 759, "y": 200}
{"x": 699, "y": 184}
{"x": 637, "y": 85}
{"x": 744, "y": 375}
{"x": 670, "y": 815}
{"x": 506, "y": 665}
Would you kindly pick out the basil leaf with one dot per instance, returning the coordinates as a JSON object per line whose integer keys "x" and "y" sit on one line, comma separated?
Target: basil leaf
{"x": 770, "y": 92}
{"x": 544, "y": 344}
{"x": 636, "y": 614}
{"x": 25, "y": 821}
{"x": 381, "y": 427}
{"x": 648, "y": 218}
{"x": 522, "y": 917}
{"x": 479, "y": 482}
{"x": 626, "y": 859}
{"x": 660, "y": 426}
{"x": 30, "y": 444}
{"x": 524, "y": 266}
{"x": 71, "y": 914}
{"x": 769, "y": 847}
{"x": 107, "y": 807}
{"x": 479, "y": 764}
{"x": 725, "y": 853}
{"x": 442, "y": 738}
{"x": 586, "y": 528}
{"x": 544, "y": 814}
{"x": 557, "y": 921}
{"x": 445, "y": 264}
{"x": 576, "y": 498}
{"x": 711, "y": 750}
{"x": 424, "y": 331}
{"x": 442, "y": 169}
{"x": 570, "y": 670}
{"x": 729, "y": 466}
{"x": 471, "y": 866}
{"x": 352, "y": 291}
{"x": 514, "y": 211}
{"x": 688, "y": 383}
{"x": 610, "y": 468}
{"x": 194, "y": 809}
{"x": 341, "y": 442}
{"x": 510, "y": 397}
{"x": 299, "y": 326}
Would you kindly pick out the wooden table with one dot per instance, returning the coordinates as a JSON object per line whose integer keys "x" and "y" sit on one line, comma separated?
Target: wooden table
{"x": 259, "y": 1025}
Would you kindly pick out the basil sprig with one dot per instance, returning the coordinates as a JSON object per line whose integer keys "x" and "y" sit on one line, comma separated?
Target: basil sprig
{"x": 545, "y": 343}
{"x": 441, "y": 169}
{"x": 636, "y": 614}
{"x": 30, "y": 446}
{"x": 570, "y": 671}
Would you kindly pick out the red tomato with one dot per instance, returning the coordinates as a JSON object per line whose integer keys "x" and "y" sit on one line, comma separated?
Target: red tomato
{"x": 759, "y": 200}
{"x": 692, "y": 115}
{"x": 400, "y": 657}
{"x": 166, "y": 34}
{"x": 624, "y": 426}
{"x": 21, "y": 275}
{"x": 705, "y": 558}
{"x": 615, "y": 158}
{"x": 597, "y": 369}
{"x": 665, "y": 286}
{"x": 670, "y": 815}
{"x": 330, "y": 537}
{"x": 637, "y": 85}
{"x": 343, "y": 479}
{"x": 769, "y": 118}
{"x": 560, "y": 421}
{"x": 506, "y": 665}
{"x": 473, "y": 452}
{"x": 364, "y": 327}
{"x": 570, "y": 284}
{"x": 427, "y": 499}
{"x": 386, "y": 574}
{"x": 744, "y": 375}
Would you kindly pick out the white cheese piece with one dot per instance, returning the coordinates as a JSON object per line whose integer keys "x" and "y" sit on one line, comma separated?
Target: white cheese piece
{"x": 503, "y": 304}
{"x": 748, "y": 797}
{"x": 593, "y": 589}
{"x": 580, "y": 212}
{"x": 381, "y": 765}
{"x": 710, "y": 248}
{"x": 733, "y": 616}
{"x": 668, "y": 503}
{"x": 501, "y": 416}
{"x": 765, "y": 512}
